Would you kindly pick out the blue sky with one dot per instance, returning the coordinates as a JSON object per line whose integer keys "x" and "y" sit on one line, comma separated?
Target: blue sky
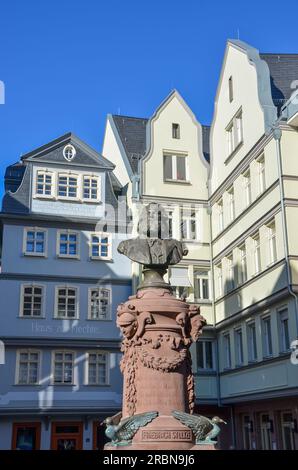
{"x": 68, "y": 63}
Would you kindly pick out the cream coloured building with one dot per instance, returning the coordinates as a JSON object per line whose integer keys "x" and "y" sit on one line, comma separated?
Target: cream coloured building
{"x": 237, "y": 216}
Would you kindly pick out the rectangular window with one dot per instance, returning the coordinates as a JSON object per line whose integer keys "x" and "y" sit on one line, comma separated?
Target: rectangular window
{"x": 175, "y": 131}
{"x": 271, "y": 234}
{"x": 189, "y": 225}
{"x": 99, "y": 304}
{"x": 234, "y": 133}
{"x": 28, "y": 363}
{"x": 247, "y": 187}
{"x": 98, "y": 368}
{"x": 267, "y": 337}
{"x": 175, "y": 167}
{"x": 218, "y": 269}
{"x": 170, "y": 224}
{"x": 90, "y": 188}
{"x": 201, "y": 285}
{"x": 63, "y": 367}
{"x": 101, "y": 246}
{"x": 261, "y": 174}
{"x": 35, "y": 242}
{"x": 26, "y": 436}
{"x": 205, "y": 354}
{"x": 227, "y": 351}
{"x": 256, "y": 253}
{"x": 178, "y": 277}
{"x": 231, "y": 95}
{"x": 238, "y": 346}
{"x": 220, "y": 215}
{"x": 31, "y": 301}
{"x": 68, "y": 244}
{"x": 44, "y": 183}
{"x": 66, "y": 303}
{"x": 242, "y": 275}
{"x": 252, "y": 342}
{"x": 231, "y": 202}
{"x": 68, "y": 186}
{"x": 230, "y": 281}
{"x": 284, "y": 330}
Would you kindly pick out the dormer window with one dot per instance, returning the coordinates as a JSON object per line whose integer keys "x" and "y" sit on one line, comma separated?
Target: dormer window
{"x": 68, "y": 186}
{"x": 90, "y": 188}
{"x": 44, "y": 183}
{"x": 69, "y": 152}
{"x": 175, "y": 131}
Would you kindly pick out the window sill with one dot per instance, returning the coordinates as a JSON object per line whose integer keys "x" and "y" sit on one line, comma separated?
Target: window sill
{"x": 97, "y": 385}
{"x": 68, "y": 257}
{"x": 99, "y": 319}
{"x": 68, "y": 199}
{"x": 99, "y": 258}
{"x": 63, "y": 385}
{"x": 231, "y": 155}
{"x": 203, "y": 301}
{"x": 31, "y": 317}
{"x": 91, "y": 201}
{"x": 65, "y": 318}
{"x": 43, "y": 196}
{"x": 27, "y": 385}
{"x": 34, "y": 255}
{"x": 188, "y": 183}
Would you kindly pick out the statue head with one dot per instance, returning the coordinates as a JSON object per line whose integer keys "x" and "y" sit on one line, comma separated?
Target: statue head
{"x": 217, "y": 420}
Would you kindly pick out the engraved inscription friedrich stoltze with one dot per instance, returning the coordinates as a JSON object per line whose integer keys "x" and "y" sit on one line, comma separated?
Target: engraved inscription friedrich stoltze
{"x": 168, "y": 435}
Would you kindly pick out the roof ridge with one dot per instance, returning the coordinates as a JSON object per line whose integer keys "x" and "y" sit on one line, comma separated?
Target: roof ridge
{"x": 130, "y": 117}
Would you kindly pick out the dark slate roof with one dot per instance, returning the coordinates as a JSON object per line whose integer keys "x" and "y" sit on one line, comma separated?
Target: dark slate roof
{"x": 13, "y": 176}
{"x": 283, "y": 71}
{"x": 53, "y": 153}
{"x": 18, "y": 202}
{"x": 206, "y": 142}
{"x": 132, "y": 132}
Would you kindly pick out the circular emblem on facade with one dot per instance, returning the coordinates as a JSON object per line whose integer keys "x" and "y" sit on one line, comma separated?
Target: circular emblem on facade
{"x": 69, "y": 152}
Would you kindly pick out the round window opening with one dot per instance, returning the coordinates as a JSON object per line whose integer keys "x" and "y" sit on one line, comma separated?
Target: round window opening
{"x": 69, "y": 152}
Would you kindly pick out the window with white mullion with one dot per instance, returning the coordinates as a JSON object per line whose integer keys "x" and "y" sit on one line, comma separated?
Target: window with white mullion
{"x": 261, "y": 174}
{"x": 91, "y": 188}
{"x": 231, "y": 202}
{"x": 230, "y": 273}
{"x": 68, "y": 186}
{"x": 98, "y": 368}
{"x": 100, "y": 246}
{"x": 31, "y": 301}
{"x": 201, "y": 286}
{"x": 252, "y": 342}
{"x": 205, "y": 354}
{"x": 189, "y": 225}
{"x": 256, "y": 253}
{"x": 68, "y": 244}
{"x": 220, "y": 215}
{"x": 247, "y": 187}
{"x": 28, "y": 367}
{"x": 219, "y": 283}
{"x": 35, "y": 241}
{"x": 242, "y": 275}
{"x": 234, "y": 132}
{"x": 63, "y": 367}
{"x": 66, "y": 303}
{"x": 271, "y": 234}
{"x": 238, "y": 346}
{"x": 175, "y": 167}
{"x": 99, "y": 304}
{"x": 44, "y": 183}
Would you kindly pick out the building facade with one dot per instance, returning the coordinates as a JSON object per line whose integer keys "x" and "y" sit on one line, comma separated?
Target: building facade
{"x": 61, "y": 281}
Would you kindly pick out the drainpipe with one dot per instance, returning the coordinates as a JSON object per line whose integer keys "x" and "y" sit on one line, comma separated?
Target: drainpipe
{"x": 277, "y": 136}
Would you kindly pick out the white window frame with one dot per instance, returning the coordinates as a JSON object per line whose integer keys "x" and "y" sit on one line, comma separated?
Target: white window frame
{"x": 174, "y": 157}
{"x": 44, "y": 173}
{"x": 63, "y": 351}
{"x": 234, "y": 132}
{"x": 257, "y": 255}
{"x": 238, "y": 341}
{"x": 98, "y": 188}
{"x": 230, "y": 273}
{"x": 203, "y": 342}
{"x": 246, "y": 177}
{"x": 267, "y": 342}
{"x": 78, "y": 244}
{"x": 282, "y": 313}
{"x": 109, "y": 314}
{"x": 261, "y": 174}
{"x": 243, "y": 277}
{"x": 22, "y": 293}
{"x": 271, "y": 240}
{"x": 175, "y": 130}
{"x": 220, "y": 215}
{"x": 66, "y": 287}
{"x": 108, "y": 361}
{"x": 199, "y": 277}
{"x": 69, "y": 175}
{"x": 226, "y": 343}
{"x": 101, "y": 235}
{"x": 44, "y": 254}
{"x": 231, "y": 196}
{"x": 17, "y": 369}
{"x": 252, "y": 346}
{"x": 219, "y": 278}
{"x": 186, "y": 215}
